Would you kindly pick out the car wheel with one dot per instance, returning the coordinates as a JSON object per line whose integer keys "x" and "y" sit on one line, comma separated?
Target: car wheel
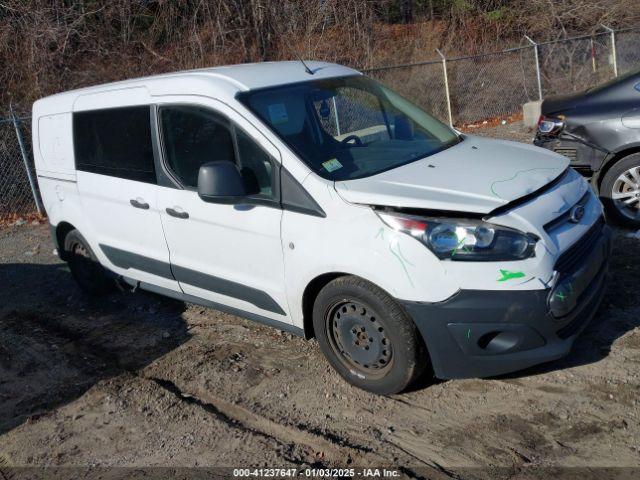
{"x": 85, "y": 268}
{"x": 367, "y": 337}
{"x": 620, "y": 190}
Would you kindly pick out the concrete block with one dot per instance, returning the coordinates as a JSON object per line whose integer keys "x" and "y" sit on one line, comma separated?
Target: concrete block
{"x": 531, "y": 113}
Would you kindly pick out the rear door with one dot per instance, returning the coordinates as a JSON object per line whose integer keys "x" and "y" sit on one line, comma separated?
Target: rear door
{"x": 117, "y": 185}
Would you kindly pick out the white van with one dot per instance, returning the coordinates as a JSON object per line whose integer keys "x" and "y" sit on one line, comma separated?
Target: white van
{"x": 313, "y": 199}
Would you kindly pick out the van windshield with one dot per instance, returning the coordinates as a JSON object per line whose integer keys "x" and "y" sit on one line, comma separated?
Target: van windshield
{"x": 349, "y": 127}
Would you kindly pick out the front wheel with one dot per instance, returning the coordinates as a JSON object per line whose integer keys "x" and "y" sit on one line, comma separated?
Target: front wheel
{"x": 620, "y": 190}
{"x": 367, "y": 337}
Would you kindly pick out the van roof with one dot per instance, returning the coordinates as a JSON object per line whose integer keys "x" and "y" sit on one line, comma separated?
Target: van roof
{"x": 224, "y": 80}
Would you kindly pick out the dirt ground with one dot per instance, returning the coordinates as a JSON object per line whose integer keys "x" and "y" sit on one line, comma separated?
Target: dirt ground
{"x": 136, "y": 380}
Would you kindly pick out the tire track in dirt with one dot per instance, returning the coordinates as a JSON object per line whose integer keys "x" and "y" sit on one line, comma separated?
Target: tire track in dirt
{"x": 329, "y": 448}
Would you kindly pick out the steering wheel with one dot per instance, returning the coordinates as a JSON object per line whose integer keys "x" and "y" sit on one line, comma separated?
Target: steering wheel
{"x": 356, "y": 140}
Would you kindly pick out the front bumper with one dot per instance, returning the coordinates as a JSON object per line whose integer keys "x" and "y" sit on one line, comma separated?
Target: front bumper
{"x": 482, "y": 333}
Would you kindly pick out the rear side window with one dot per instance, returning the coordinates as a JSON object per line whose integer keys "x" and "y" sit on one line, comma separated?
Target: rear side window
{"x": 115, "y": 142}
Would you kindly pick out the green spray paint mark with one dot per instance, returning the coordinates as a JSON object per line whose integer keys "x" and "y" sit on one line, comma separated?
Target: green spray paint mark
{"x": 402, "y": 256}
{"x": 402, "y": 261}
{"x": 515, "y": 175}
{"x": 507, "y": 275}
{"x": 468, "y": 334}
{"x": 380, "y": 233}
{"x": 453, "y": 252}
{"x": 561, "y": 296}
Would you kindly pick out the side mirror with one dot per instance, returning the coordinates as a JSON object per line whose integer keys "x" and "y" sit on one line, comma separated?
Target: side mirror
{"x": 220, "y": 182}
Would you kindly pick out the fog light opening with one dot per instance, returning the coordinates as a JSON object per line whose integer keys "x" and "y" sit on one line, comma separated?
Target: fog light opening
{"x": 498, "y": 342}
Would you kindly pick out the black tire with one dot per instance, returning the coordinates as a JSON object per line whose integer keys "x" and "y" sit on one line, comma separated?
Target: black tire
{"x": 367, "y": 337}
{"x": 610, "y": 186}
{"x": 85, "y": 268}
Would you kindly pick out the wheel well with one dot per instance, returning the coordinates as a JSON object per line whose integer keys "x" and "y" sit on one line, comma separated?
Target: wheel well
{"x": 62, "y": 230}
{"x": 309, "y": 298}
{"x": 612, "y": 161}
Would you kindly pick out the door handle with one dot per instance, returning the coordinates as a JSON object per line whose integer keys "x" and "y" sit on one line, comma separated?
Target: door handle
{"x": 177, "y": 214}
{"x": 139, "y": 203}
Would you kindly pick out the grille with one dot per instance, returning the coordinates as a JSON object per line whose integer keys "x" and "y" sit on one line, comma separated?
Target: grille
{"x": 556, "y": 222}
{"x": 574, "y": 254}
{"x": 570, "y": 153}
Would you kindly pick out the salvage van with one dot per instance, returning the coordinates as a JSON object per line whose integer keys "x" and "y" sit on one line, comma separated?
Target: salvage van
{"x": 309, "y": 197}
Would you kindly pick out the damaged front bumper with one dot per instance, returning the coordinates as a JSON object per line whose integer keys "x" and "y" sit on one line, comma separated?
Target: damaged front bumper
{"x": 482, "y": 333}
{"x": 583, "y": 157}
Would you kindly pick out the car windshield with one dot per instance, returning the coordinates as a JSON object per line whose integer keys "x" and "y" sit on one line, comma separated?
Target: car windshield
{"x": 349, "y": 127}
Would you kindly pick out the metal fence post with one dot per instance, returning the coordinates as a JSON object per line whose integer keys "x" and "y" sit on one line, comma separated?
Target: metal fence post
{"x": 335, "y": 115}
{"x": 446, "y": 86}
{"x": 25, "y": 159}
{"x": 612, "y": 32}
{"x": 537, "y": 54}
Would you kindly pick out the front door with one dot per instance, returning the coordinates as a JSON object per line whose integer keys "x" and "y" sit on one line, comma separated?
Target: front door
{"x": 229, "y": 254}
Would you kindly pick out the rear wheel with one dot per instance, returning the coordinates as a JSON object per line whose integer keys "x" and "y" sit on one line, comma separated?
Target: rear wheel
{"x": 84, "y": 265}
{"x": 620, "y": 190}
{"x": 367, "y": 337}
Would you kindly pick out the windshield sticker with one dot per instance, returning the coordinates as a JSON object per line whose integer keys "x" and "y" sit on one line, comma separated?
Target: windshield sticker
{"x": 332, "y": 165}
{"x": 278, "y": 113}
{"x": 507, "y": 275}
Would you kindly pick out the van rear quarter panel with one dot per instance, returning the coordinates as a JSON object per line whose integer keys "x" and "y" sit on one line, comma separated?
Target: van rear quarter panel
{"x": 52, "y": 140}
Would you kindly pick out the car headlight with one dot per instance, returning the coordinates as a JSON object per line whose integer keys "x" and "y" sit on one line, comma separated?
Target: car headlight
{"x": 550, "y": 125}
{"x": 464, "y": 240}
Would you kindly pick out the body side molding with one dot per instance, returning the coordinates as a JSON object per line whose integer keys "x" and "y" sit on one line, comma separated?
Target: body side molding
{"x": 127, "y": 260}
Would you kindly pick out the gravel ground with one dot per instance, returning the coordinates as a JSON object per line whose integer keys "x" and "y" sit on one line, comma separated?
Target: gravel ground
{"x": 137, "y": 380}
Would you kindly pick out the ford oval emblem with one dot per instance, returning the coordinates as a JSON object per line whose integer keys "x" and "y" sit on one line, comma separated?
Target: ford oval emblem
{"x": 576, "y": 214}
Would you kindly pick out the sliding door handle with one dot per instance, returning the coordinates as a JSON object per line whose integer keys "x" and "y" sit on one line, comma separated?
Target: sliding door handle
{"x": 177, "y": 214}
{"x": 139, "y": 203}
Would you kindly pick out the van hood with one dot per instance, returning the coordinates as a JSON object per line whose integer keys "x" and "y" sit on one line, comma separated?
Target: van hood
{"x": 477, "y": 175}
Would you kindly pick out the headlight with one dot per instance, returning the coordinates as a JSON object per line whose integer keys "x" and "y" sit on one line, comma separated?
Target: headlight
{"x": 468, "y": 240}
{"x": 550, "y": 125}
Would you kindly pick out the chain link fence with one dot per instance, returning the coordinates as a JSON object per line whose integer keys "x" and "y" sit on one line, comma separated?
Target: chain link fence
{"x": 424, "y": 83}
{"x": 473, "y": 89}
{"x": 458, "y": 90}
{"x": 627, "y": 45}
{"x": 490, "y": 86}
{"x": 576, "y": 64}
{"x": 16, "y": 193}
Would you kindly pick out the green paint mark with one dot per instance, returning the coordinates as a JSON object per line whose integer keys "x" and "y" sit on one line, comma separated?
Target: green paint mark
{"x": 561, "y": 296}
{"x": 507, "y": 275}
{"x": 515, "y": 175}
{"x": 380, "y": 233}
{"x": 453, "y": 252}
{"x": 403, "y": 258}
{"x": 402, "y": 262}
{"x": 468, "y": 334}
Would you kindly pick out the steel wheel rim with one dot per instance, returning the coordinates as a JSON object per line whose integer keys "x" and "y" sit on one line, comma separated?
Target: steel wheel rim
{"x": 626, "y": 193}
{"x": 358, "y": 338}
